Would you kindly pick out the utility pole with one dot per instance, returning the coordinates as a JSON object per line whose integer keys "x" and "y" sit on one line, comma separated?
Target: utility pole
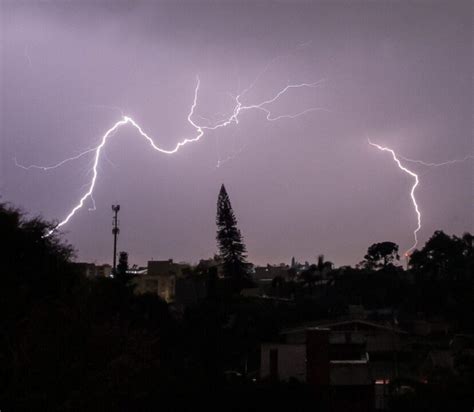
{"x": 115, "y": 232}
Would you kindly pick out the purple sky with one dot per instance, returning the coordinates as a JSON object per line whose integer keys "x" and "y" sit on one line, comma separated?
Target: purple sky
{"x": 399, "y": 72}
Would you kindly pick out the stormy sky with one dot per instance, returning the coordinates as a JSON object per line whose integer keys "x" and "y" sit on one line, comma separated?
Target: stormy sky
{"x": 398, "y": 72}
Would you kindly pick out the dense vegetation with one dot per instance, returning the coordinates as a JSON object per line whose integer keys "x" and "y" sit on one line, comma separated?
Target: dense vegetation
{"x": 69, "y": 343}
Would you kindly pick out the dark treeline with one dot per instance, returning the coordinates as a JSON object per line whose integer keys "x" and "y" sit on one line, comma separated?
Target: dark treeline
{"x": 439, "y": 280}
{"x": 72, "y": 343}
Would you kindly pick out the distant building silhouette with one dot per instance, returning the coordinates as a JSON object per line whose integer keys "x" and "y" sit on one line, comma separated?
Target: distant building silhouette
{"x": 269, "y": 272}
{"x": 160, "y": 279}
{"x": 91, "y": 270}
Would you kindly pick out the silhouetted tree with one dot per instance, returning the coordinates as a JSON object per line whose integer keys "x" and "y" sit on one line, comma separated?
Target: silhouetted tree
{"x": 443, "y": 277}
{"x": 444, "y": 256}
{"x": 32, "y": 262}
{"x": 122, "y": 266}
{"x": 62, "y": 336}
{"x": 229, "y": 238}
{"x": 323, "y": 266}
{"x": 310, "y": 276}
{"x": 380, "y": 255}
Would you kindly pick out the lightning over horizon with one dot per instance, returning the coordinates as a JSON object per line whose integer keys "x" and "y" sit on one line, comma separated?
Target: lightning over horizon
{"x": 183, "y": 183}
{"x": 397, "y": 158}
{"x": 412, "y": 191}
{"x": 199, "y": 129}
{"x": 291, "y": 152}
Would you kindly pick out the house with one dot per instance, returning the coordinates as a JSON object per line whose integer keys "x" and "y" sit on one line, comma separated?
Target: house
{"x": 334, "y": 364}
{"x": 91, "y": 270}
{"x": 160, "y": 279}
{"x": 104, "y": 271}
{"x": 361, "y": 353}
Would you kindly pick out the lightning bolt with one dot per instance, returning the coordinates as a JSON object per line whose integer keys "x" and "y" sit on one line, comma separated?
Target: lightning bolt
{"x": 199, "y": 133}
{"x": 412, "y": 192}
{"x": 45, "y": 168}
{"x": 430, "y": 164}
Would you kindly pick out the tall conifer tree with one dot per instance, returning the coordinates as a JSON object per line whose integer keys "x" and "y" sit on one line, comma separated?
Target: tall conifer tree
{"x": 229, "y": 239}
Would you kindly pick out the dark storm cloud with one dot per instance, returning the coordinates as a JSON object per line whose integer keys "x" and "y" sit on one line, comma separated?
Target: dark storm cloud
{"x": 398, "y": 72}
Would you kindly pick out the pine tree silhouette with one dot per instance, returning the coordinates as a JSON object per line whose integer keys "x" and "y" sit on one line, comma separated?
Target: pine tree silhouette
{"x": 231, "y": 246}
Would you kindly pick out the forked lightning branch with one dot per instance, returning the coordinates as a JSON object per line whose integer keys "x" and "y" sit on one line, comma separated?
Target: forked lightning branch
{"x": 200, "y": 130}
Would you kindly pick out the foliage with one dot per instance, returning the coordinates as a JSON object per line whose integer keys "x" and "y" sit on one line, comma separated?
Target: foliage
{"x": 122, "y": 266}
{"x": 229, "y": 239}
{"x": 380, "y": 255}
{"x": 323, "y": 265}
{"x": 67, "y": 342}
{"x": 71, "y": 343}
{"x": 445, "y": 256}
{"x": 444, "y": 281}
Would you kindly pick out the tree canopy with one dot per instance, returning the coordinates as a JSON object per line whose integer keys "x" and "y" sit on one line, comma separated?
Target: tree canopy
{"x": 445, "y": 256}
{"x": 68, "y": 342}
{"x": 380, "y": 255}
